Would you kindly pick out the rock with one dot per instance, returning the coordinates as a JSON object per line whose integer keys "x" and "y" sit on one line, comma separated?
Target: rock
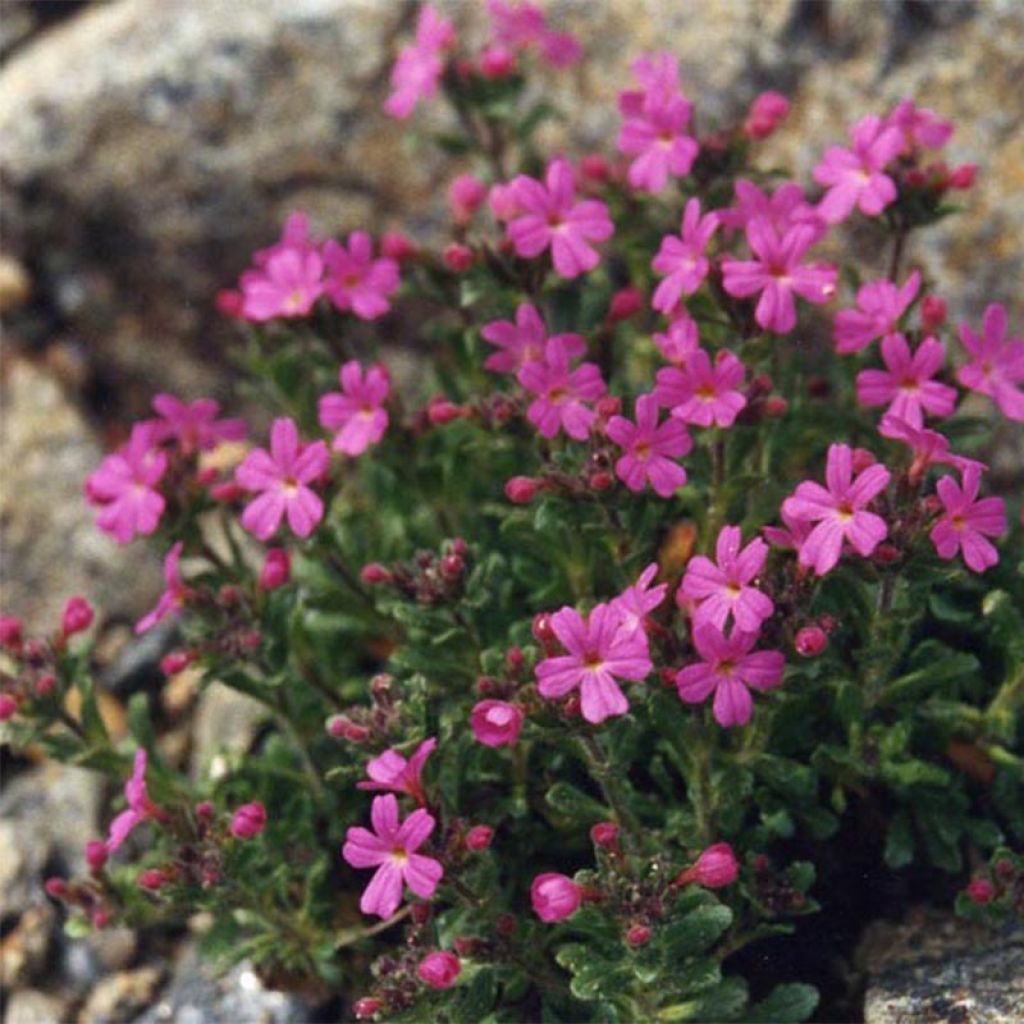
{"x": 121, "y": 996}
{"x": 29, "y": 1006}
{"x": 15, "y": 286}
{"x": 52, "y": 548}
{"x": 936, "y": 969}
{"x": 225, "y": 724}
{"x": 24, "y": 949}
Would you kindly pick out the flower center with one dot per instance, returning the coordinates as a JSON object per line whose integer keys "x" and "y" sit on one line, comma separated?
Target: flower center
{"x": 958, "y": 521}
{"x": 844, "y": 512}
{"x": 908, "y": 384}
{"x": 399, "y": 855}
{"x": 706, "y": 392}
{"x": 642, "y": 450}
{"x": 592, "y": 660}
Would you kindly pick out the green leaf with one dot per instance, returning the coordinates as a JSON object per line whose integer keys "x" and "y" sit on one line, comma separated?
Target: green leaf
{"x": 899, "y": 841}
{"x": 786, "y": 1004}
{"x": 566, "y": 799}
{"x": 696, "y": 932}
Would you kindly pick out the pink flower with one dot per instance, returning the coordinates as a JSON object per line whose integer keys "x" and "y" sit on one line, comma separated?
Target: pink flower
{"x": 553, "y": 219}
{"x": 778, "y": 274}
{"x": 248, "y": 821}
{"x": 724, "y": 589}
{"x": 637, "y": 601}
{"x": 194, "y": 425}
{"x": 287, "y": 285}
{"x": 124, "y": 486}
{"x": 465, "y": 195}
{"x": 140, "y": 807}
{"x": 997, "y": 365}
{"x": 840, "y": 511}
{"x": 356, "y": 280}
{"x": 728, "y": 669}
{"x": 391, "y": 849}
{"x": 521, "y": 24}
{"x": 439, "y": 970}
{"x": 562, "y": 393}
{"x": 785, "y": 208}
{"x": 658, "y": 75}
{"x": 175, "y": 592}
{"x": 680, "y": 341}
{"x": 294, "y": 235}
{"x": 700, "y": 393}
{"x": 391, "y": 770}
{"x": 496, "y": 723}
{"x": 906, "y": 383}
{"x": 77, "y": 616}
{"x": 600, "y": 651}
{"x": 966, "y": 521}
{"x": 650, "y": 449}
{"x": 792, "y": 537}
{"x": 358, "y": 412}
{"x": 524, "y": 341}
{"x": 282, "y": 475}
{"x": 715, "y": 867}
{"x": 682, "y": 258}
{"x": 928, "y": 446}
{"x": 921, "y": 128}
{"x": 419, "y": 66}
{"x": 554, "y": 897}
{"x": 810, "y": 641}
{"x": 854, "y": 176}
{"x": 880, "y": 306}
{"x": 656, "y": 136}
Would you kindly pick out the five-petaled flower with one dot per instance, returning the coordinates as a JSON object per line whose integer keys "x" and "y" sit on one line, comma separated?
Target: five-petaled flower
{"x": 700, "y": 393}
{"x": 906, "y": 383}
{"x": 996, "y": 368}
{"x": 194, "y": 425}
{"x": 523, "y": 342}
{"x": 681, "y": 257}
{"x": 562, "y": 392}
{"x": 418, "y": 69}
{"x": 357, "y": 281}
{"x": 967, "y": 521}
{"x": 880, "y": 304}
{"x": 650, "y": 449}
{"x": 392, "y": 770}
{"x": 357, "y": 413}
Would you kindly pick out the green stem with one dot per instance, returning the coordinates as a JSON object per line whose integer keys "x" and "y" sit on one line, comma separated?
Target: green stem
{"x": 602, "y": 770}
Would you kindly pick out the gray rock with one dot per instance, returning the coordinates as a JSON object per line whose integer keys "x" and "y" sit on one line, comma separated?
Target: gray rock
{"x": 225, "y": 725}
{"x": 120, "y": 996}
{"x": 30, "y": 1006}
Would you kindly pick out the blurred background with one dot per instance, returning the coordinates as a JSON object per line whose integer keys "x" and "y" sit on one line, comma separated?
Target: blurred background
{"x": 148, "y": 146}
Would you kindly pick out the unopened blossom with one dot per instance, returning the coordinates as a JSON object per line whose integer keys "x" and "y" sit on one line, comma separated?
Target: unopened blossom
{"x": 140, "y": 807}
{"x": 276, "y": 570}
{"x": 356, "y": 280}
{"x": 967, "y": 521}
{"x": 929, "y": 447}
{"x": 921, "y": 128}
{"x": 700, "y": 393}
{"x": 554, "y": 897}
{"x": 639, "y": 599}
{"x": 680, "y": 340}
{"x": 439, "y": 969}
{"x": 357, "y": 412}
{"x": 466, "y": 193}
{"x": 600, "y": 652}
{"x": 839, "y": 510}
{"x": 392, "y": 770}
{"x": 810, "y": 641}
{"x": 553, "y": 218}
{"x": 766, "y": 112}
{"x": 650, "y": 449}
{"x": 729, "y": 668}
{"x": 906, "y": 385}
{"x": 76, "y": 617}
{"x": 524, "y": 341}
{"x": 479, "y": 838}
{"x": 125, "y": 487}
{"x": 723, "y": 588}
{"x": 714, "y": 868}
{"x": 656, "y": 137}
{"x": 681, "y": 258}
{"x": 562, "y": 393}
{"x": 778, "y": 274}
{"x": 194, "y": 425}
{"x": 856, "y": 177}
{"x": 175, "y": 594}
{"x": 496, "y": 723}
{"x": 996, "y": 368}
{"x": 783, "y": 208}
{"x": 880, "y": 305}
{"x": 391, "y": 849}
{"x": 282, "y": 477}
{"x": 418, "y": 69}
{"x": 248, "y": 821}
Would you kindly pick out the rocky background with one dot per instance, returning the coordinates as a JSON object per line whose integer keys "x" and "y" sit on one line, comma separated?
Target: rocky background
{"x": 147, "y": 147}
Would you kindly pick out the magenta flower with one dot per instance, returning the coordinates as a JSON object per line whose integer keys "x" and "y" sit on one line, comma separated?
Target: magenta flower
{"x": 854, "y": 177}
{"x": 637, "y": 601}
{"x": 840, "y": 510}
{"x": 682, "y": 258}
{"x": 391, "y": 770}
{"x": 600, "y": 651}
{"x": 140, "y": 807}
{"x": 554, "y": 897}
{"x": 248, "y": 821}
{"x": 921, "y": 128}
{"x": 997, "y": 364}
{"x": 294, "y": 235}
{"x": 649, "y": 449}
{"x": 391, "y": 849}
{"x": 553, "y": 219}
{"x": 724, "y": 589}
{"x": 729, "y": 668}
{"x": 356, "y": 281}
{"x": 561, "y": 392}
{"x": 124, "y": 487}
{"x": 791, "y": 536}
{"x": 522, "y": 24}
{"x": 777, "y": 274}
{"x": 880, "y": 306}
{"x": 966, "y": 521}
{"x": 523, "y": 342}
{"x": 700, "y": 393}
{"x": 283, "y": 475}
{"x": 681, "y": 339}
{"x": 175, "y": 593}
{"x": 905, "y": 384}
{"x": 357, "y": 413}
{"x": 287, "y": 285}
{"x": 656, "y": 137}
{"x": 783, "y": 209}
{"x": 439, "y": 969}
{"x": 927, "y": 446}
{"x": 194, "y": 425}
{"x": 496, "y": 723}
{"x": 419, "y": 66}
{"x": 658, "y": 75}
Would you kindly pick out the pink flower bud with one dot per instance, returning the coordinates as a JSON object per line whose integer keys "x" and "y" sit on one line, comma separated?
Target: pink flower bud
{"x": 962, "y": 177}
{"x": 466, "y": 194}
{"x": 479, "y": 837}
{"x": 367, "y": 1007}
{"x": 77, "y": 616}
{"x": 248, "y": 821}
{"x": 420, "y": 913}
{"x": 605, "y": 834}
{"x": 226, "y": 492}
{"x": 915, "y": 177}
{"x": 497, "y": 62}
{"x": 521, "y": 490}
{"x": 503, "y": 202}
{"x": 204, "y": 811}
{"x": 514, "y": 659}
{"x": 100, "y": 917}
{"x": 765, "y": 114}
{"x": 625, "y": 303}
{"x": 775, "y": 407}
{"x": 594, "y": 167}
{"x": 933, "y": 312}
{"x": 638, "y": 935}
{"x": 95, "y": 854}
{"x": 175, "y": 662}
{"x": 45, "y": 685}
{"x": 457, "y": 258}
{"x": 8, "y": 707}
{"x": 439, "y": 970}
{"x": 496, "y": 723}
{"x": 11, "y": 631}
{"x": 608, "y": 406}
{"x": 375, "y": 573}
{"x": 980, "y": 890}
{"x": 452, "y": 567}
{"x": 396, "y": 246}
{"x": 601, "y": 480}
{"x": 714, "y": 868}
{"x": 554, "y": 897}
{"x": 277, "y": 569}
{"x": 440, "y": 411}
{"x": 229, "y": 595}
{"x": 810, "y": 641}
{"x": 342, "y": 727}
{"x": 228, "y": 302}
{"x": 152, "y": 879}
{"x": 862, "y": 459}
{"x": 56, "y": 888}
{"x": 886, "y": 554}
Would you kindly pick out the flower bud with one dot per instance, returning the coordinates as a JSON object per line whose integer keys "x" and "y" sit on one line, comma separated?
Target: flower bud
{"x": 554, "y": 897}
{"x": 45, "y": 685}
{"x": 886, "y": 554}
{"x": 396, "y": 246}
{"x": 980, "y": 890}
{"x": 504, "y": 202}
{"x": 229, "y": 595}
{"x": 608, "y": 406}
{"x": 440, "y": 411}
{"x": 276, "y": 571}
{"x": 228, "y": 302}
{"x": 173, "y": 663}
{"x": 765, "y": 114}
{"x": 96, "y": 854}
{"x": 520, "y": 490}
{"x": 601, "y": 480}
{"x": 152, "y": 879}
{"x": 367, "y": 1007}
{"x": 962, "y": 177}
{"x": 862, "y": 459}
{"x": 715, "y": 867}
{"x": 605, "y": 834}
{"x": 420, "y": 913}
{"x": 514, "y": 659}
{"x": 638, "y": 935}
{"x": 479, "y": 837}
{"x": 8, "y": 707}
{"x": 466, "y": 193}
{"x": 204, "y": 811}
{"x": 496, "y": 723}
{"x": 594, "y": 167}
{"x": 457, "y": 257}
{"x": 342, "y": 727}
{"x": 226, "y": 492}
{"x": 775, "y": 407}
{"x": 57, "y": 888}
{"x": 100, "y": 917}
{"x": 11, "y": 632}
{"x": 248, "y": 821}
{"x": 933, "y": 312}
{"x": 452, "y": 567}
{"x": 626, "y": 302}
{"x": 497, "y": 62}
{"x": 810, "y": 641}
{"x": 77, "y": 616}
{"x": 439, "y": 970}
{"x": 375, "y": 573}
